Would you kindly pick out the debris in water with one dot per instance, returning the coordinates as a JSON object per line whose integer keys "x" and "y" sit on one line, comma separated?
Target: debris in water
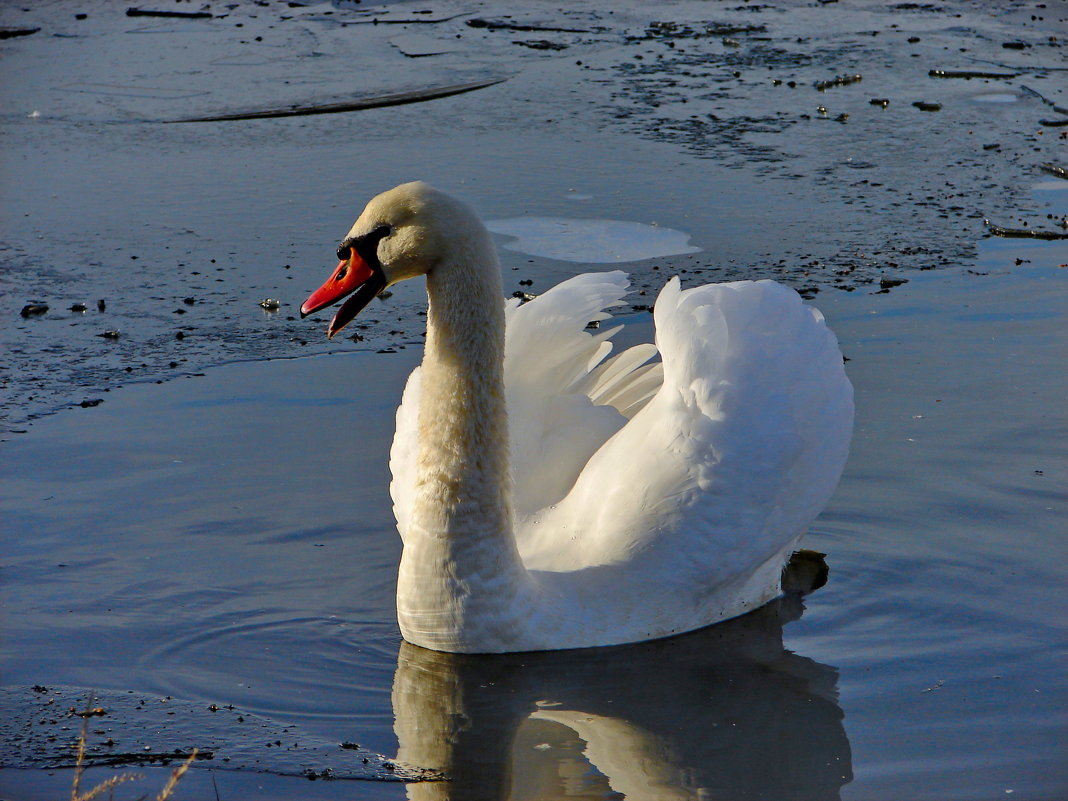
{"x": 34, "y": 309}
{"x": 403, "y": 21}
{"x": 78, "y": 307}
{"x": 497, "y": 25}
{"x": 841, "y": 80}
{"x": 101, "y": 305}
{"x": 1053, "y": 169}
{"x": 967, "y": 74}
{"x": 1022, "y": 233}
{"x": 10, "y": 33}
{"x": 110, "y": 335}
{"x": 541, "y": 44}
{"x": 270, "y": 304}
{"x": 882, "y": 102}
{"x": 145, "y": 12}
{"x": 923, "y": 105}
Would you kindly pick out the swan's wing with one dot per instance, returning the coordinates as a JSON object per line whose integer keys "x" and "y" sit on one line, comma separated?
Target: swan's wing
{"x": 405, "y": 450}
{"x": 736, "y": 454}
{"x": 564, "y": 399}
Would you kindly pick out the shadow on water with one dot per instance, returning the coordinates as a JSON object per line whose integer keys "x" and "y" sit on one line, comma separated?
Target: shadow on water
{"x": 726, "y": 710}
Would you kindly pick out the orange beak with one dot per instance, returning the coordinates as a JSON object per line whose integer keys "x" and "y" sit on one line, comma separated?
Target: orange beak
{"x": 353, "y": 276}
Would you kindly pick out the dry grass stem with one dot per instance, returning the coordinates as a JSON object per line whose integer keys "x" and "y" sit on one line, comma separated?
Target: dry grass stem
{"x": 106, "y": 785}
{"x": 176, "y": 774}
{"x": 79, "y": 760}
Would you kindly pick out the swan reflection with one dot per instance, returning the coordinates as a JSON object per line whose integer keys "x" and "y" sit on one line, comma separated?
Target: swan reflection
{"x": 726, "y": 712}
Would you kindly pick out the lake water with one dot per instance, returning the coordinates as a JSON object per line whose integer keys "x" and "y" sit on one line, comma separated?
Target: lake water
{"x": 224, "y": 537}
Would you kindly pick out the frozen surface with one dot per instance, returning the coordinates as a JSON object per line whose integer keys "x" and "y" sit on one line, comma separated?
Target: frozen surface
{"x": 590, "y": 241}
{"x": 719, "y": 121}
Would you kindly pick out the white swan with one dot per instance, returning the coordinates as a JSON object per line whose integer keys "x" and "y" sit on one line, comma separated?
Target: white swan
{"x": 549, "y": 498}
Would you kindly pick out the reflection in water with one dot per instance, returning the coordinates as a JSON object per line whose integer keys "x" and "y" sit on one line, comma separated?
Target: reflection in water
{"x": 724, "y": 712}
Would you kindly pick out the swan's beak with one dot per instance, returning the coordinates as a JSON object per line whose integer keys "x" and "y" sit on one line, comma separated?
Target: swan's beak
{"x": 353, "y": 275}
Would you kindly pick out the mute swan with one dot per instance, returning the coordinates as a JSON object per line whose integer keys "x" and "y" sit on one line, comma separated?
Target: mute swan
{"x": 550, "y": 498}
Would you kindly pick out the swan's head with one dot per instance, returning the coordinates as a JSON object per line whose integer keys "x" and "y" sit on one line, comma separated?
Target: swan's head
{"x": 402, "y": 233}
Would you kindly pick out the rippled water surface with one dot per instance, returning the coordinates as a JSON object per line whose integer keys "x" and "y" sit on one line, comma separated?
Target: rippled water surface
{"x": 213, "y": 527}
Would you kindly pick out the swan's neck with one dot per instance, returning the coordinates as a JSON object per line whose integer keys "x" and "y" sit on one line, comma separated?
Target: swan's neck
{"x": 460, "y": 559}
{"x": 462, "y": 479}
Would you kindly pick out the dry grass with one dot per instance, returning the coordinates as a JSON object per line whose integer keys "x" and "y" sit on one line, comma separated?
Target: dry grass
{"x": 111, "y": 783}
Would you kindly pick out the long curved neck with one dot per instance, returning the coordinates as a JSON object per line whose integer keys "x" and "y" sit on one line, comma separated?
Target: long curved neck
{"x": 463, "y": 485}
{"x": 460, "y": 563}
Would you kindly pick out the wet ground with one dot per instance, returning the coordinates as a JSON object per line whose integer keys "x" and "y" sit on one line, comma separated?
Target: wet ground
{"x": 186, "y": 538}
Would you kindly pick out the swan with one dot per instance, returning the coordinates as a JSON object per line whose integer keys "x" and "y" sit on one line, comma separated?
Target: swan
{"x": 549, "y": 497}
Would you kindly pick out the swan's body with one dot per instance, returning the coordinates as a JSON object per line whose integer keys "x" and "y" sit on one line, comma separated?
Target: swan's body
{"x": 548, "y": 498}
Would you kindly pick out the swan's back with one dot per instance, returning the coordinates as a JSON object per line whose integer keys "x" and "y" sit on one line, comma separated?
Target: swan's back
{"x": 672, "y": 498}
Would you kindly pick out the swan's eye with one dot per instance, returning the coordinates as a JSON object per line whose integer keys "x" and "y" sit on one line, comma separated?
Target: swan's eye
{"x": 343, "y": 252}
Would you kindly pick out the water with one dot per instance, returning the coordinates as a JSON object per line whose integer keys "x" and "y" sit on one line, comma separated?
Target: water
{"x": 225, "y": 536}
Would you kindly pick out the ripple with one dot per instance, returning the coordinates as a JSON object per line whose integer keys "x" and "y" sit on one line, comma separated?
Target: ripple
{"x": 324, "y": 668}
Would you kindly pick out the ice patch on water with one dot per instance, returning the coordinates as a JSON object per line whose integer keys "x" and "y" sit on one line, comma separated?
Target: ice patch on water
{"x": 996, "y": 97}
{"x": 591, "y": 241}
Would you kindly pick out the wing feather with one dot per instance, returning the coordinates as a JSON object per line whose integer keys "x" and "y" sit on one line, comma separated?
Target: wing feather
{"x": 730, "y": 461}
